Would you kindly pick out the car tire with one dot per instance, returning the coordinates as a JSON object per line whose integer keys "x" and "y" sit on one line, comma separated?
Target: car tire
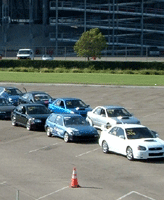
{"x": 129, "y": 154}
{"x": 105, "y": 147}
{"x": 48, "y": 132}
{"x": 66, "y": 137}
{"x": 13, "y": 121}
{"x": 28, "y": 126}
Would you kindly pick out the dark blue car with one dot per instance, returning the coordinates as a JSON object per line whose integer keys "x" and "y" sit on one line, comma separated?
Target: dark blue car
{"x": 70, "y": 127}
{"x": 12, "y": 94}
{"x": 5, "y": 108}
{"x": 69, "y": 105}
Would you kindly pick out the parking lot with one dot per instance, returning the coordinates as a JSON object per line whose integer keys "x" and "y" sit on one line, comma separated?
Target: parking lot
{"x": 36, "y": 167}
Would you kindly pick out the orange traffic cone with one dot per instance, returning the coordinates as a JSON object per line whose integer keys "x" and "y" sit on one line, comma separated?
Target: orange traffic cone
{"x": 74, "y": 181}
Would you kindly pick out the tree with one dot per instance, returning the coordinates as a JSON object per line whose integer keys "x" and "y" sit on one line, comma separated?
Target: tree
{"x": 90, "y": 44}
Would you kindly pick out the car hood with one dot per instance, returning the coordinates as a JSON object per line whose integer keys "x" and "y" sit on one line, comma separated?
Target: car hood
{"x": 7, "y": 108}
{"x": 82, "y": 129}
{"x": 80, "y": 109}
{"x": 14, "y": 96}
{"x": 148, "y": 142}
{"x": 126, "y": 120}
{"x": 39, "y": 116}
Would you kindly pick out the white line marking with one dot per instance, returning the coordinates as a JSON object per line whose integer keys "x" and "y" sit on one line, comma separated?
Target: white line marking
{"x": 87, "y": 152}
{"x": 52, "y": 193}
{"x": 42, "y": 148}
{"x": 135, "y": 193}
{"x": 3, "y": 183}
{"x": 151, "y": 114}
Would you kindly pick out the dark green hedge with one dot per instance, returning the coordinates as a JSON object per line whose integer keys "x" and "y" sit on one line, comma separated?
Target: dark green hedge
{"x": 93, "y": 65}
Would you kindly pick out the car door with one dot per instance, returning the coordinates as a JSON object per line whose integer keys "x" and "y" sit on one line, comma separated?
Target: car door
{"x": 58, "y": 106}
{"x": 59, "y": 129}
{"x": 118, "y": 141}
{"x": 20, "y": 114}
{"x": 96, "y": 116}
{"x": 23, "y": 115}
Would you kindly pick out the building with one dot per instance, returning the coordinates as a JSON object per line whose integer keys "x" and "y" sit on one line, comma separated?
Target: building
{"x": 130, "y": 27}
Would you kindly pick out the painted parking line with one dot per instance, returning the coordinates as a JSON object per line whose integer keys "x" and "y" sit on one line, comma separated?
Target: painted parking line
{"x": 87, "y": 152}
{"x": 52, "y": 193}
{"x": 32, "y": 151}
{"x": 128, "y": 194}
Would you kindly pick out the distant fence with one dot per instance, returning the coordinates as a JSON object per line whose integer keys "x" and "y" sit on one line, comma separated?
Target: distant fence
{"x": 68, "y": 51}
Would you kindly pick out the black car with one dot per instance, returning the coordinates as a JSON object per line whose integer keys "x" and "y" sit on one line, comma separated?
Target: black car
{"x": 32, "y": 116}
{"x": 12, "y": 94}
{"x": 5, "y": 108}
{"x": 36, "y": 97}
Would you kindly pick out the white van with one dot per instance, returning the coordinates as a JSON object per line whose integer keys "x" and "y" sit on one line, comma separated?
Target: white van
{"x": 25, "y": 54}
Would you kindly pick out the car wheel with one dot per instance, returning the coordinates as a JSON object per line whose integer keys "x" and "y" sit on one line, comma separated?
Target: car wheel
{"x": 48, "y": 132}
{"x": 13, "y": 121}
{"x": 28, "y": 126}
{"x": 66, "y": 137}
{"x": 105, "y": 147}
{"x": 129, "y": 154}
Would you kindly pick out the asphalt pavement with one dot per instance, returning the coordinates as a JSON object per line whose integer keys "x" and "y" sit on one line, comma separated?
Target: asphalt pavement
{"x": 36, "y": 167}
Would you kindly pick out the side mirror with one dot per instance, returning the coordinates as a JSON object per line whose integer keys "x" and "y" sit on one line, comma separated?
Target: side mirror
{"x": 122, "y": 137}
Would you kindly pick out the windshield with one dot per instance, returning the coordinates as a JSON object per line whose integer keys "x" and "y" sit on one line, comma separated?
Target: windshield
{"x": 41, "y": 97}
{"x": 139, "y": 133}
{"x": 24, "y": 52}
{"x": 75, "y": 104}
{"x": 37, "y": 110}
{"x": 78, "y": 120}
{"x": 3, "y": 102}
{"x": 117, "y": 112}
{"x": 13, "y": 91}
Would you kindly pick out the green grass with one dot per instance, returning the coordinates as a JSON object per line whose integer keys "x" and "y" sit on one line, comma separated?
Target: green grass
{"x": 83, "y": 78}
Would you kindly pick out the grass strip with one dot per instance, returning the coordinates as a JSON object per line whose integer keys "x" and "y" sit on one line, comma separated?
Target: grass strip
{"x": 83, "y": 78}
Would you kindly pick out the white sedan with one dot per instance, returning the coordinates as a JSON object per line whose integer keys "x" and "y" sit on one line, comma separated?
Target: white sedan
{"x": 132, "y": 140}
{"x": 106, "y": 116}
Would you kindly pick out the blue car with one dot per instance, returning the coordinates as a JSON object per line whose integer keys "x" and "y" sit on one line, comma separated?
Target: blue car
{"x": 70, "y": 127}
{"x": 12, "y": 94}
{"x": 69, "y": 105}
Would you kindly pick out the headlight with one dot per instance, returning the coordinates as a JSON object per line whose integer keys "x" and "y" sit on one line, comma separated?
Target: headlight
{"x": 72, "y": 112}
{"x": 141, "y": 148}
{"x": 76, "y": 133}
{"x": 10, "y": 99}
{"x": 33, "y": 120}
{"x": 2, "y": 112}
{"x": 37, "y": 121}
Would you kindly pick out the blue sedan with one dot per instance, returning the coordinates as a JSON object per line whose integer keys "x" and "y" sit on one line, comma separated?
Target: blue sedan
{"x": 70, "y": 127}
{"x": 69, "y": 105}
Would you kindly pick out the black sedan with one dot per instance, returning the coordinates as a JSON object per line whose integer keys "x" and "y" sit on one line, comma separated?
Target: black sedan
{"x": 32, "y": 116}
{"x": 5, "y": 108}
{"x": 36, "y": 97}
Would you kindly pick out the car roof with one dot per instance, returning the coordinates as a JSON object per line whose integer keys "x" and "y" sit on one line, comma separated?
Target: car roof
{"x": 36, "y": 92}
{"x": 66, "y": 114}
{"x": 25, "y": 49}
{"x": 31, "y": 104}
{"x": 111, "y": 106}
{"x": 68, "y": 98}
{"x": 129, "y": 126}
{"x": 8, "y": 87}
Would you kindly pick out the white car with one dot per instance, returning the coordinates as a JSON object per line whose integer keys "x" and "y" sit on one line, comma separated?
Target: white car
{"x": 133, "y": 141}
{"x": 47, "y": 57}
{"x": 106, "y": 116}
{"x": 25, "y": 54}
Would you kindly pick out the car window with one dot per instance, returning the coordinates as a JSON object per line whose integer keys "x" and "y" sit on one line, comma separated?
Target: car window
{"x": 113, "y": 131}
{"x": 116, "y": 112}
{"x": 103, "y": 114}
{"x": 41, "y": 97}
{"x": 138, "y": 133}
{"x": 3, "y": 102}
{"x": 52, "y": 118}
{"x": 25, "y": 96}
{"x": 37, "y": 110}
{"x": 13, "y": 91}
{"x": 57, "y": 103}
{"x": 59, "y": 120}
{"x": 19, "y": 108}
{"x": 75, "y": 103}
{"x": 77, "y": 120}
{"x": 97, "y": 111}
{"x": 120, "y": 132}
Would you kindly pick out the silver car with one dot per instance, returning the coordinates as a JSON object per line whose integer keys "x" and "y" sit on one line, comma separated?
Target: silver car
{"x": 105, "y": 116}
